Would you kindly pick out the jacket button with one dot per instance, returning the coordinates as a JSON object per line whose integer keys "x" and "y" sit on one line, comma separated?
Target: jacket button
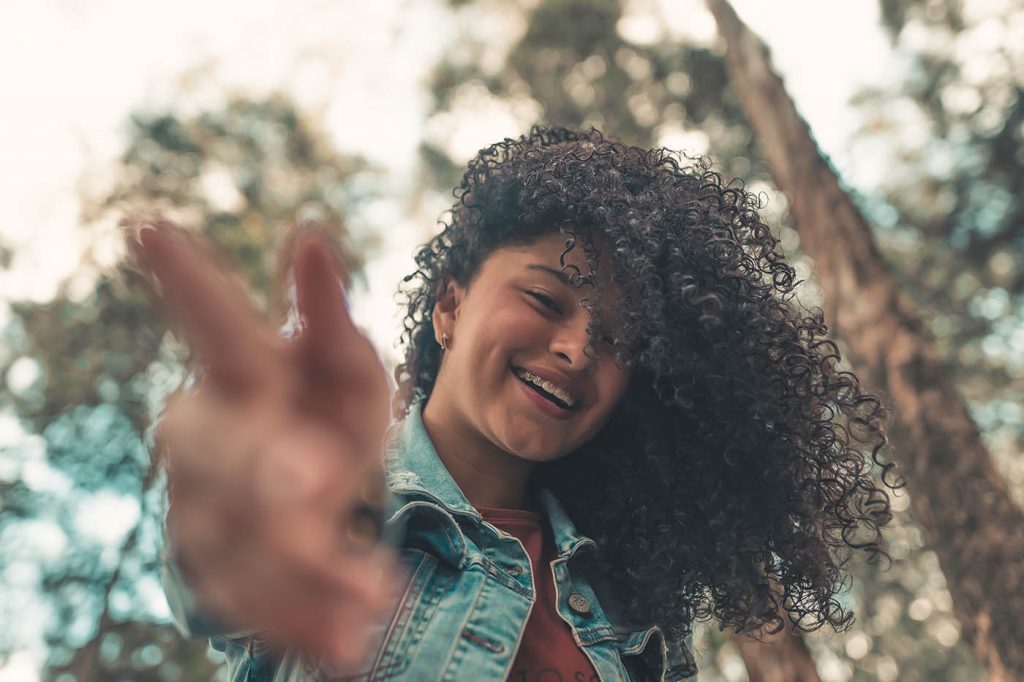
{"x": 515, "y": 569}
{"x": 579, "y": 604}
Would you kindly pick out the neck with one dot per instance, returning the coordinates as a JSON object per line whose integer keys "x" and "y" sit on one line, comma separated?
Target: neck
{"x": 487, "y": 475}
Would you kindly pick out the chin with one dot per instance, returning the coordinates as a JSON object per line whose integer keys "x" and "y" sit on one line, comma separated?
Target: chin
{"x": 527, "y": 440}
{"x": 540, "y": 455}
{"x": 538, "y": 459}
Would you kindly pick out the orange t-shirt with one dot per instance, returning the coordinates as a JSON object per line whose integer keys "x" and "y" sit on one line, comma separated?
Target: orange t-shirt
{"x": 548, "y": 651}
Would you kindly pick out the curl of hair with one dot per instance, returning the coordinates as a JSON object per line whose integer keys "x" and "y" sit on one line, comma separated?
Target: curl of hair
{"x": 737, "y": 474}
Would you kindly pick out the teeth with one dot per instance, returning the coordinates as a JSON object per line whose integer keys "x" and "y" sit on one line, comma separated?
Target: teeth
{"x": 566, "y": 398}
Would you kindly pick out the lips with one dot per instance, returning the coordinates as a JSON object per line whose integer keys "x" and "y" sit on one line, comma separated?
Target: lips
{"x": 542, "y": 399}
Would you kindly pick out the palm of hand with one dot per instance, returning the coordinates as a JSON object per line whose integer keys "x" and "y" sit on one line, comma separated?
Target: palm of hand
{"x": 274, "y": 453}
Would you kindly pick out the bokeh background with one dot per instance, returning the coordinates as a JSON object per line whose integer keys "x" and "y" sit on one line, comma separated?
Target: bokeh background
{"x": 236, "y": 117}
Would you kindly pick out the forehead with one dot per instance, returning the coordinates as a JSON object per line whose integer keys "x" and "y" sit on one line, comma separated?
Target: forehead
{"x": 542, "y": 260}
{"x": 555, "y": 249}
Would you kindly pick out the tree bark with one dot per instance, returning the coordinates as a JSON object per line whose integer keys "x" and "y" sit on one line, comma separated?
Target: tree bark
{"x": 956, "y": 493}
{"x": 782, "y": 657}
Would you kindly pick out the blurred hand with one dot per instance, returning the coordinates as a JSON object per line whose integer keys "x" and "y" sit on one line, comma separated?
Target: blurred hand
{"x": 275, "y": 459}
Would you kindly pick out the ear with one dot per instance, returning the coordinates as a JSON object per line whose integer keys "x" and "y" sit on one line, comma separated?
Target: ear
{"x": 446, "y": 309}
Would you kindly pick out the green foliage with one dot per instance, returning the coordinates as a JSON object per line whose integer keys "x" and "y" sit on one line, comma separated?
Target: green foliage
{"x": 89, "y": 351}
{"x": 144, "y": 652}
{"x": 950, "y": 218}
{"x": 573, "y": 63}
{"x": 243, "y": 172}
{"x": 953, "y": 204}
{"x": 99, "y": 367}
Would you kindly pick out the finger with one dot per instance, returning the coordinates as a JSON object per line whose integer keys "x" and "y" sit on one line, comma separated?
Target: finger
{"x": 346, "y": 382}
{"x": 347, "y": 623}
{"x": 333, "y": 629}
{"x": 294, "y": 605}
{"x": 330, "y": 341}
{"x": 239, "y": 580}
{"x": 216, "y": 317}
{"x": 297, "y": 593}
{"x": 350, "y": 638}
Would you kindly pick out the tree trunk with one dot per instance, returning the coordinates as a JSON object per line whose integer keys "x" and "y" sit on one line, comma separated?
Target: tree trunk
{"x": 956, "y": 493}
{"x": 782, "y": 657}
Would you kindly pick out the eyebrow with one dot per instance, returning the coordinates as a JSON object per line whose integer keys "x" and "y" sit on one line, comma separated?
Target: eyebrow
{"x": 557, "y": 274}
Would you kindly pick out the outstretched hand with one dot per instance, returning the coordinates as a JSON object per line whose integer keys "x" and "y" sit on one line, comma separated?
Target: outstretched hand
{"x": 274, "y": 458}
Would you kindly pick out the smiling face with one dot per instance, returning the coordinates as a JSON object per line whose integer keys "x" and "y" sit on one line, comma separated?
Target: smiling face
{"x": 516, "y": 379}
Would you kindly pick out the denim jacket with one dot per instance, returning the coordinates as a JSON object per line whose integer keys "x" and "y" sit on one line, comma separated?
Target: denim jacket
{"x": 470, "y": 589}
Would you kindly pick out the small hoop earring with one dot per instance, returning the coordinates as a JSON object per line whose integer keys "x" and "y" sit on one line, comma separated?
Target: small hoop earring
{"x": 444, "y": 341}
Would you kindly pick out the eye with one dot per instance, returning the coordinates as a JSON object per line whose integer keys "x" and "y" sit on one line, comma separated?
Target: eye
{"x": 545, "y": 300}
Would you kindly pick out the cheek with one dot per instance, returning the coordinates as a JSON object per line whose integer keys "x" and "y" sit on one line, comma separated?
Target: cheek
{"x": 515, "y": 330}
{"x": 498, "y": 340}
{"x": 613, "y": 387}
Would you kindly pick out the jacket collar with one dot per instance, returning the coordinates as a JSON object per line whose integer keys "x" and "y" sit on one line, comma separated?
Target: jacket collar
{"x": 416, "y": 471}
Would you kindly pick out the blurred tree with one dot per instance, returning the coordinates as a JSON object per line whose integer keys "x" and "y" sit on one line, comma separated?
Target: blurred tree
{"x": 83, "y": 371}
{"x": 95, "y": 370}
{"x": 569, "y": 64}
{"x": 955, "y": 196}
{"x": 953, "y": 200}
{"x": 140, "y": 651}
{"x": 957, "y": 493}
{"x": 782, "y": 657}
{"x": 950, "y": 212}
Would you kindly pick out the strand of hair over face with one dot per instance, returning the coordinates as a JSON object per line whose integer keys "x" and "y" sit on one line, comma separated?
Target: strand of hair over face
{"x": 742, "y": 470}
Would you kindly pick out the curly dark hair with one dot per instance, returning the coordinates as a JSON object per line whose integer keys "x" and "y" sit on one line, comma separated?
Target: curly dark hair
{"x": 737, "y": 474}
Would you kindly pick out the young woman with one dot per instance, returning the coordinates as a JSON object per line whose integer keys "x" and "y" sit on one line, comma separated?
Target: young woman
{"x": 612, "y": 421}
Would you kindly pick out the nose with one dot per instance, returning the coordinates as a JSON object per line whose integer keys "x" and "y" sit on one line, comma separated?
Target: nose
{"x": 570, "y": 342}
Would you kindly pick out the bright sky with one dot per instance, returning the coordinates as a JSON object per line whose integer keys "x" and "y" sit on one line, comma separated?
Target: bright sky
{"x": 71, "y": 70}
